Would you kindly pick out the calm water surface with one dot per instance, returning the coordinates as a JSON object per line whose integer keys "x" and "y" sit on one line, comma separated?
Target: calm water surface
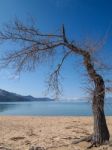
{"x": 50, "y": 108}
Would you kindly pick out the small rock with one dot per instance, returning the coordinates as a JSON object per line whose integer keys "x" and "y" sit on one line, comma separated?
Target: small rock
{"x": 4, "y": 148}
{"x": 37, "y": 148}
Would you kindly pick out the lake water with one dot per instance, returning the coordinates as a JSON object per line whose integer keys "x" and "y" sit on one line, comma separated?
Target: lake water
{"x": 50, "y": 108}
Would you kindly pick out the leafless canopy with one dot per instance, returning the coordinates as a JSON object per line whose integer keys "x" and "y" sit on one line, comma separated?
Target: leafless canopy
{"x": 36, "y": 48}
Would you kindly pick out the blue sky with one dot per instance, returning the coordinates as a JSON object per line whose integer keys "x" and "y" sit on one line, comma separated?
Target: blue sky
{"x": 82, "y": 19}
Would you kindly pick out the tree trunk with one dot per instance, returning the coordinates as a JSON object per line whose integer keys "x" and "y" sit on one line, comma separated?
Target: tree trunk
{"x": 101, "y": 133}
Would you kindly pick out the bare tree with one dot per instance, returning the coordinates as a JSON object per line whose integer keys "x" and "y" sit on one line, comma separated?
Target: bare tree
{"x": 37, "y": 47}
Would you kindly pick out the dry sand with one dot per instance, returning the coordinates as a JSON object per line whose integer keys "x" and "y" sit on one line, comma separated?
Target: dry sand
{"x": 52, "y": 133}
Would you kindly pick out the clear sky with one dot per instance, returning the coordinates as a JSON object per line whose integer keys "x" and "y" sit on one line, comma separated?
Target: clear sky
{"x": 82, "y": 18}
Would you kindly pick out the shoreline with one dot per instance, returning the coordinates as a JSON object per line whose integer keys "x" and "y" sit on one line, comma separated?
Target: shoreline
{"x": 50, "y": 132}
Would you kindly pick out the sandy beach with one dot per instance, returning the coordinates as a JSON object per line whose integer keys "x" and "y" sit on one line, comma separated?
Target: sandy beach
{"x": 52, "y": 133}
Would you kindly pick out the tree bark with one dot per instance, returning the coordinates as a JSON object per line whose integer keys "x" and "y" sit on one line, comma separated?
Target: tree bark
{"x": 101, "y": 133}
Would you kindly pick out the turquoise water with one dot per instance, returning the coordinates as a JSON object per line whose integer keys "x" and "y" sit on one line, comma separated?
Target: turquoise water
{"x": 50, "y": 108}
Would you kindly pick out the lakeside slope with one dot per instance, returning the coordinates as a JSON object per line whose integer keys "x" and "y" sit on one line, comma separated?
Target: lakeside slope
{"x": 52, "y": 133}
{"x": 6, "y": 96}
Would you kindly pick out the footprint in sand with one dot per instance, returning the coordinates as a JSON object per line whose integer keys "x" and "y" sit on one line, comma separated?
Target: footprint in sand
{"x": 27, "y": 142}
{"x": 17, "y": 138}
{"x": 69, "y": 127}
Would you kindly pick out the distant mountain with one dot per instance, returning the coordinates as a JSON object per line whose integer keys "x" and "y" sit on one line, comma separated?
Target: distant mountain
{"x": 84, "y": 100}
{"x": 6, "y": 96}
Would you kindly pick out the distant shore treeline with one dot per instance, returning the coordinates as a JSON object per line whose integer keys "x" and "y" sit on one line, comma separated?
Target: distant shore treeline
{"x": 6, "y": 96}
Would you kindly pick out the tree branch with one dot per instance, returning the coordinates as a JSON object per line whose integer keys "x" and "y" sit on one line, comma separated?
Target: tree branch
{"x": 54, "y": 81}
